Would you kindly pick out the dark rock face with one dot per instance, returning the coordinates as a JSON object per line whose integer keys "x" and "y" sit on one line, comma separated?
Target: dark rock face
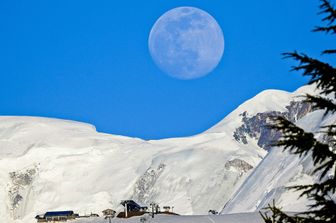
{"x": 256, "y": 126}
{"x": 297, "y": 110}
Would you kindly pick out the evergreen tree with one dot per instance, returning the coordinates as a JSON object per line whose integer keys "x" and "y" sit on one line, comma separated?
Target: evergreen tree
{"x": 301, "y": 143}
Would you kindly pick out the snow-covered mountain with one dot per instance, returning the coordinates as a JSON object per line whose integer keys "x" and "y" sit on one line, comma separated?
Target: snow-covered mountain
{"x": 278, "y": 170}
{"x": 51, "y": 164}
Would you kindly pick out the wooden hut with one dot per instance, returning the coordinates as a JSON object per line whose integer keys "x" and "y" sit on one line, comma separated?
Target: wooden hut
{"x": 109, "y": 213}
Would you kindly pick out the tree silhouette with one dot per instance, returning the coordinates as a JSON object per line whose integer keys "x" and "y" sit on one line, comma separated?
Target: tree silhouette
{"x": 301, "y": 143}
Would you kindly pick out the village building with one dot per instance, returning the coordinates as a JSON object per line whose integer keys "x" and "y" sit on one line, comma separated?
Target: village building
{"x": 166, "y": 208}
{"x": 109, "y": 213}
{"x": 56, "y": 216}
{"x": 94, "y": 215}
{"x": 131, "y": 208}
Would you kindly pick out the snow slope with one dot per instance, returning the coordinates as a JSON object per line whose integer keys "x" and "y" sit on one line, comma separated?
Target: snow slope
{"x": 230, "y": 218}
{"x": 51, "y": 164}
{"x": 279, "y": 170}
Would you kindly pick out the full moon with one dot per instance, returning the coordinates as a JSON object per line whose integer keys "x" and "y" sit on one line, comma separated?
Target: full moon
{"x": 186, "y": 43}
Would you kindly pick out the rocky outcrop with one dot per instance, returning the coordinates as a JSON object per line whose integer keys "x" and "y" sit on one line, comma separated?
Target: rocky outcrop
{"x": 240, "y": 165}
{"x": 257, "y": 126}
{"x": 19, "y": 188}
{"x": 144, "y": 186}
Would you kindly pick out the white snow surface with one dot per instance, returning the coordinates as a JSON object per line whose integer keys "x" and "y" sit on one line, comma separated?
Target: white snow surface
{"x": 267, "y": 100}
{"x": 229, "y": 218}
{"x": 278, "y": 170}
{"x": 50, "y": 164}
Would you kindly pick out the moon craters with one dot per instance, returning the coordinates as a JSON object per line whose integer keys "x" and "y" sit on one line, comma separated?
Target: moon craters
{"x": 186, "y": 43}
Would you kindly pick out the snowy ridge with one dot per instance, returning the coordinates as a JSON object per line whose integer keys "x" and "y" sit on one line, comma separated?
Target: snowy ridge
{"x": 48, "y": 166}
{"x": 265, "y": 101}
{"x": 277, "y": 171}
{"x": 51, "y": 164}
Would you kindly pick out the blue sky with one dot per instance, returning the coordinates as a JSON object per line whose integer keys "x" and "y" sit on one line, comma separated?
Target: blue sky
{"x": 89, "y": 61}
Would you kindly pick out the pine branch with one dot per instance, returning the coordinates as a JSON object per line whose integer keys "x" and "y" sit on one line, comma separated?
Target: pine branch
{"x": 325, "y": 187}
{"x": 325, "y": 168}
{"x": 321, "y": 103}
{"x": 323, "y": 74}
{"x": 278, "y": 215}
{"x": 324, "y": 208}
{"x": 326, "y": 29}
{"x": 331, "y": 133}
{"x": 327, "y": 8}
{"x": 299, "y": 142}
{"x": 329, "y": 52}
{"x": 330, "y": 11}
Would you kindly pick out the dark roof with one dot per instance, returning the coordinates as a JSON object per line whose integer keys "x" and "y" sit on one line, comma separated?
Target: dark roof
{"x": 108, "y": 210}
{"x": 39, "y": 216}
{"x": 58, "y": 213}
{"x": 131, "y": 205}
{"x": 130, "y": 202}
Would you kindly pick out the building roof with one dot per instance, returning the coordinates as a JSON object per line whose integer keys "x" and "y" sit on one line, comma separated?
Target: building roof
{"x": 58, "y": 213}
{"x": 108, "y": 210}
{"x": 129, "y": 202}
{"x": 39, "y": 216}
